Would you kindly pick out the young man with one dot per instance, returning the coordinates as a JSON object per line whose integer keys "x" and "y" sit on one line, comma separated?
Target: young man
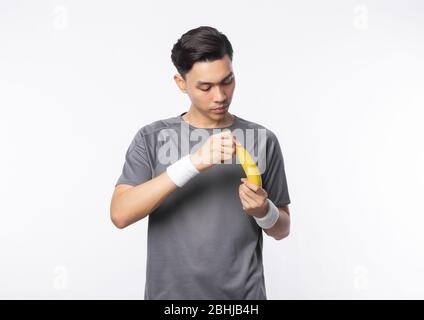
{"x": 205, "y": 220}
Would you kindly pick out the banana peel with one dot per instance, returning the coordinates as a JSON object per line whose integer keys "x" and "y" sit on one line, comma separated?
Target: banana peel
{"x": 249, "y": 166}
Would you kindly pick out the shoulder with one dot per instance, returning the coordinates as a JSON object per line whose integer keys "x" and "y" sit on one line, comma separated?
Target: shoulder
{"x": 147, "y": 134}
{"x": 155, "y": 127}
{"x": 247, "y": 124}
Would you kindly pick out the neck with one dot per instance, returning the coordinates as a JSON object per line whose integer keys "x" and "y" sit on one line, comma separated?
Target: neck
{"x": 199, "y": 120}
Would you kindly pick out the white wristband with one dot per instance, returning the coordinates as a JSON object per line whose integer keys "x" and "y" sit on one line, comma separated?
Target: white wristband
{"x": 270, "y": 218}
{"x": 182, "y": 171}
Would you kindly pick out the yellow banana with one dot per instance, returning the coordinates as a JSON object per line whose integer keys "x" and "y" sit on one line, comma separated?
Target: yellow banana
{"x": 249, "y": 166}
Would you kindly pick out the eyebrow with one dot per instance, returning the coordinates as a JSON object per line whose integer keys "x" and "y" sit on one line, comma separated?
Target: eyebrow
{"x": 199, "y": 83}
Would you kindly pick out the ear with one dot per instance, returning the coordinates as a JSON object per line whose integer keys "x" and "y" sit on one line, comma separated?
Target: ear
{"x": 180, "y": 82}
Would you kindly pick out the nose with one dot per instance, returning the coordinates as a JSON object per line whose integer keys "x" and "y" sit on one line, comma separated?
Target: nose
{"x": 219, "y": 95}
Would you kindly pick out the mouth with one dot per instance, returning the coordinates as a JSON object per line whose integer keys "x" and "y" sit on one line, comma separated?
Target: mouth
{"x": 220, "y": 109}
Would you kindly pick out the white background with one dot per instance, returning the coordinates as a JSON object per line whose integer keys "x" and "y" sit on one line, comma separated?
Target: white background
{"x": 339, "y": 82}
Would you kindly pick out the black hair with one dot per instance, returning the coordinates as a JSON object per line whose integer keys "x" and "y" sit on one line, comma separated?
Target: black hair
{"x": 197, "y": 45}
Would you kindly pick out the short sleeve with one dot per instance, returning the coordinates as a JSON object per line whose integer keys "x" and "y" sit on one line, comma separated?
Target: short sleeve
{"x": 136, "y": 169}
{"x": 274, "y": 176}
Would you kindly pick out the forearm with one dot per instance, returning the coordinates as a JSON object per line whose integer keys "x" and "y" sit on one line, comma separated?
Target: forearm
{"x": 138, "y": 202}
{"x": 281, "y": 228}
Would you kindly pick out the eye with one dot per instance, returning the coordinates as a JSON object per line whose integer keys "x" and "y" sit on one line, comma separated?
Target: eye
{"x": 206, "y": 89}
{"x": 229, "y": 80}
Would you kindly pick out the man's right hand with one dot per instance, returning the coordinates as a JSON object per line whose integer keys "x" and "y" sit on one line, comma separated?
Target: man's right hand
{"x": 218, "y": 148}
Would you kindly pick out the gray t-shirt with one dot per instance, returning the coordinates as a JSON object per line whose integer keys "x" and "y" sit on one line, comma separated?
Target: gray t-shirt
{"x": 201, "y": 243}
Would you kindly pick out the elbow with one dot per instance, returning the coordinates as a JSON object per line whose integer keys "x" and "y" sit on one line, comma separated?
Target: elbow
{"x": 122, "y": 217}
{"x": 118, "y": 221}
{"x": 117, "y": 218}
{"x": 282, "y": 236}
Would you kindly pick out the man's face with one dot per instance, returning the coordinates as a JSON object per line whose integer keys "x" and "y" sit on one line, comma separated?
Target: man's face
{"x": 210, "y": 85}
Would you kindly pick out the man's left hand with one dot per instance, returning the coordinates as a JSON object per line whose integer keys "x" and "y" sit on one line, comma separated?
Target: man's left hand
{"x": 253, "y": 199}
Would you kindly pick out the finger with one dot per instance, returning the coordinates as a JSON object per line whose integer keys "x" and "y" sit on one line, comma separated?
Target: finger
{"x": 244, "y": 200}
{"x": 222, "y": 132}
{"x": 219, "y": 137}
{"x": 244, "y": 204}
{"x": 250, "y": 185}
{"x": 226, "y": 131}
{"x": 226, "y": 134}
{"x": 227, "y": 150}
{"x": 252, "y": 196}
{"x": 249, "y": 199}
{"x": 222, "y": 142}
{"x": 227, "y": 143}
{"x": 258, "y": 196}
